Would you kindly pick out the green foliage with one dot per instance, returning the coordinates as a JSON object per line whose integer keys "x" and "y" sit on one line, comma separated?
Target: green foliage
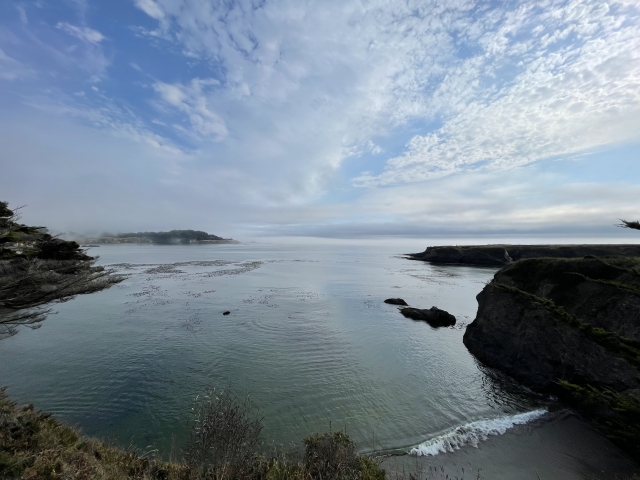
{"x": 331, "y": 455}
{"x": 370, "y": 469}
{"x": 173, "y": 236}
{"x": 610, "y": 283}
{"x": 225, "y": 435}
{"x": 565, "y": 274}
{"x": 35, "y": 446}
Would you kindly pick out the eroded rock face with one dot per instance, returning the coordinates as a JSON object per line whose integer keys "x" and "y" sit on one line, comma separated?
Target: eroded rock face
{"x": 570, "y": 327}
{"x": 526, "y": 339}
{"x": 433, "y": 316}
{"x": 395, "y": 301}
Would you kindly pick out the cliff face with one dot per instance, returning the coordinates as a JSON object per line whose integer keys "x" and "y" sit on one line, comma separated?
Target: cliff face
{"x": 570, "y": 327}
{"x": 499, "y": 255}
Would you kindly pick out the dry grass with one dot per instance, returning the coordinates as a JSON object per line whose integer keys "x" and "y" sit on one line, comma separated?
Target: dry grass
{"x": 35, "y": 446}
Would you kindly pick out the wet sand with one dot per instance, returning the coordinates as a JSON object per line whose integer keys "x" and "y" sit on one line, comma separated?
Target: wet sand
{"x": 561, "y": 447}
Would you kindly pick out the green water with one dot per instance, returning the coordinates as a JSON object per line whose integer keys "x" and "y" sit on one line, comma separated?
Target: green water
{"x": 308, "y": 337}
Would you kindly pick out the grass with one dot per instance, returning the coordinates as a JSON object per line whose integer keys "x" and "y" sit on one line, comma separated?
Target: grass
{"x": 33, "y": 445}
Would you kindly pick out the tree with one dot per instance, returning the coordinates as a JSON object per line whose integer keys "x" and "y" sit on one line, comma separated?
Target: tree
{"x": 625, "y": 224}
{"x": 38, "y": 270}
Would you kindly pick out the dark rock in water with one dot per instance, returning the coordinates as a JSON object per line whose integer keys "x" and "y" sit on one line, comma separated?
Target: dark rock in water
{"x": 226, "y": 313}
{"x": 433, "y": 316}
{"x": 395, "y": 301}
{"x": 499, "y": 255}
{"x": 570, "y": 327}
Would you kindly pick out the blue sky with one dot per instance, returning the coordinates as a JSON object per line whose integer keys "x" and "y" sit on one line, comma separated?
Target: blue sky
{"x": 329, "y": 118}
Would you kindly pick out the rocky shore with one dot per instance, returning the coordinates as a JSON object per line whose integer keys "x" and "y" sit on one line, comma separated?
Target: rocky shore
{"x": 570, "y": 327}
{"x": 500, "y": 255}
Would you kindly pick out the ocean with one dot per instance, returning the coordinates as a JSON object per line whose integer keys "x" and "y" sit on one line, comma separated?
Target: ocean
{"x": 308, "y": 338}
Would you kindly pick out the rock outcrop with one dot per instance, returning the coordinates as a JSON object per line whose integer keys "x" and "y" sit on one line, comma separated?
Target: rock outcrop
{"x": 569, "y": 327}
{"x": 396, "y": 301}
{"x": 433, "y": 316}
{"x": 500, "y": 255}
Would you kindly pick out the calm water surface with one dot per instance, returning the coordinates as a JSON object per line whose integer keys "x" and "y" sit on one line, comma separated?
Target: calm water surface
{"x": 309, "y": 338}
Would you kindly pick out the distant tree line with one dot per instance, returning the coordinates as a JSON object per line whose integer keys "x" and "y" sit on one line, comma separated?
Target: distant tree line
{"x": 174, "y": 236}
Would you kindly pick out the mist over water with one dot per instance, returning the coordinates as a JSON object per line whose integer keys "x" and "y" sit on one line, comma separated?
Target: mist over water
{"x": 308, "y": 337}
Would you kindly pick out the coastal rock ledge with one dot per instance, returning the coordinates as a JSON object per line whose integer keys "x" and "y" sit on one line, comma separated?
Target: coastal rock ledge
{"x": 499, "y": 255}
{"x": 570, "y": 327}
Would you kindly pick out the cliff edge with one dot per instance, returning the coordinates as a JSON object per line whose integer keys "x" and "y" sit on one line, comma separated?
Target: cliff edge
{"x": 499, "y": 255}
{"x": 570, "y": 327}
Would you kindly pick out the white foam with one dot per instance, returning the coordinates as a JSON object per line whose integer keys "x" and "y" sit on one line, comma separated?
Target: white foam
{"x": 473, "y": 433}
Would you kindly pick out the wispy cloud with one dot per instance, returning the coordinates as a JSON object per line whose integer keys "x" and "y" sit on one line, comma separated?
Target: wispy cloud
{"x": 191, "y": 100}
{"x": 576, "y": 86}
{"x": 510, "y": 84}
{"x": 12, "y": 69}
{"x": 85, "y": 34}
{"x": 151, "y": 8}
{"x": 23, "y": 14}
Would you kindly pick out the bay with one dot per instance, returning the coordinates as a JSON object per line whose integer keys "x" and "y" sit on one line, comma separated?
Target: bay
{"x": 308, "y": 337}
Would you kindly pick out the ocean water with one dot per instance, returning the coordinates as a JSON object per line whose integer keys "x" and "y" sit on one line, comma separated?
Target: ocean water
{"x": 308, "y": 338}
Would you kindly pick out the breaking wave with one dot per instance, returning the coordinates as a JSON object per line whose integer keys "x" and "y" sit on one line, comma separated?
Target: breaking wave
{"x": 473, "y": 433}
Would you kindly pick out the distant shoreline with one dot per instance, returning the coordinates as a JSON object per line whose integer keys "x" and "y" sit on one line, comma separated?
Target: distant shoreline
{"x": 500, "y": 255}
{"x": 96, "y": 242}
{"x": 173, "y": 237}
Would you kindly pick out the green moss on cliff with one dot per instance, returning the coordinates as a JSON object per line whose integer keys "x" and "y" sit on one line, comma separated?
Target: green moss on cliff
{"x": 610, "y": 283}
{"x": 615, "y": 414}
{"x": 567, "y": 273}
{"x": 595, "y": 304}
{"x": 625, "y": 348}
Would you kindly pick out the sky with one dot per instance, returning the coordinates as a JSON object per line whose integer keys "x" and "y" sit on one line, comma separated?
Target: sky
{"x": 333, "y": 119}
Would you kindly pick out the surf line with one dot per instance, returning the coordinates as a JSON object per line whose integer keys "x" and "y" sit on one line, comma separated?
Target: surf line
{"x": 473, "y": 433}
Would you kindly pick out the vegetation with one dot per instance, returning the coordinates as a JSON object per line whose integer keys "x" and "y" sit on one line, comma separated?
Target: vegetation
{"x": 634, "y": 225}
{"x": 224, "y": 445}
{"x": 625, "y": 348}
{"x": 37, "y": 270}
{"x": 616, "y": 415}
{"x": 225, "y": 436}
{"x": 174, "y": 236}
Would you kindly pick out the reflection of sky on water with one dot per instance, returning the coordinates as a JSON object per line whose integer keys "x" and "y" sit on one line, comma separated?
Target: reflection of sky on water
{"x": 309, "y": 337}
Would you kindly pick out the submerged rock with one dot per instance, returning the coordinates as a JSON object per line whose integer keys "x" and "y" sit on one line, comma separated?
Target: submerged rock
{"x": 433, "y": 316}
{"x": 395, "y": 301}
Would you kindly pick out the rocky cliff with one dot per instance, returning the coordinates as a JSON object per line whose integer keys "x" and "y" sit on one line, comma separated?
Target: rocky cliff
{"x": 570, "y": 327}
{"x": 499, "y": 255}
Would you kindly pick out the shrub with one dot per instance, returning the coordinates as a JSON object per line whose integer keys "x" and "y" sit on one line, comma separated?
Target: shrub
{"x": 224, "y": 437}
{"x": 333, "y": 456}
